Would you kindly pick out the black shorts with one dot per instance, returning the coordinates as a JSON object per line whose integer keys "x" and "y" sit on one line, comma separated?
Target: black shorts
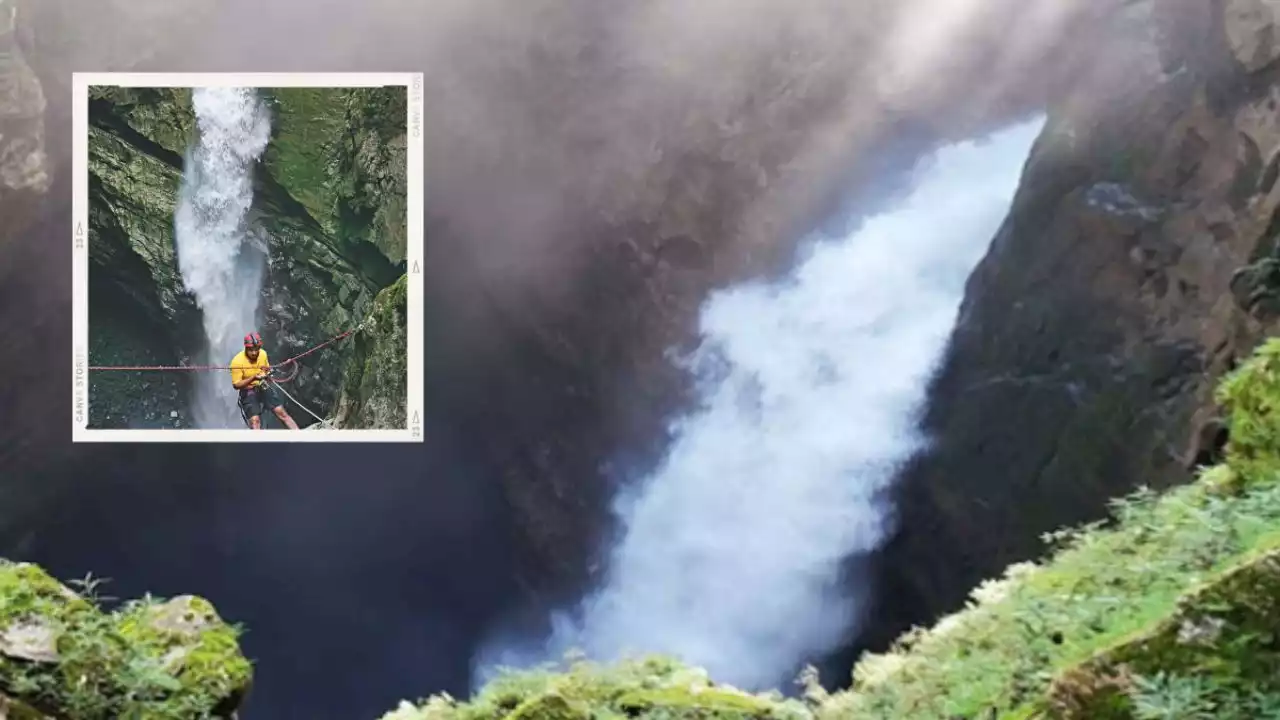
{"x": 254, "y": 400}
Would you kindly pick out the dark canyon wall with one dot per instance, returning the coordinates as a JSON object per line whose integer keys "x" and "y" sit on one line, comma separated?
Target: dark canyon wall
{"x": 1136, "y": 266}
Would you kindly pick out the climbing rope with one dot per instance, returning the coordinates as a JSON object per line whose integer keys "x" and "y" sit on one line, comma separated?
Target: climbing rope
{"x": 293, "y": 359}
{"x": 319, "y": 420}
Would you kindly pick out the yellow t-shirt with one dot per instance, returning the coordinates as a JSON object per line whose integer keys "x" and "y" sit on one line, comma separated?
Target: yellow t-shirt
{"x": 242, "y": 368}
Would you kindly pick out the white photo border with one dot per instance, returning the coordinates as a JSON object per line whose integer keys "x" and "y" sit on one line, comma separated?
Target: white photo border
{"x": 80, "y": 272}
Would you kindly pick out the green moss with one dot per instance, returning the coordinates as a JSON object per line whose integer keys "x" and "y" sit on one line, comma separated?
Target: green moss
{"x": 11, "y": 709}
{"x": 370, "y": 172}
{"x": 1224, "y": 632}
{"x": 999, "y": 654}
{"x": 693, "y": 702}
{"x": 306, "y": 125}
{"x": 64, "y": 656}
{"x": 342, "y": 152}
{"x": 1105, "y": 589}
{"x": 375, "y": 382}
{"x": 1251, "y": 395}
{"x": 139, "y": 311}
{"x": 647, "y": 689}
{"x": 549, "y": 707}
{"x": 163, "y": 115}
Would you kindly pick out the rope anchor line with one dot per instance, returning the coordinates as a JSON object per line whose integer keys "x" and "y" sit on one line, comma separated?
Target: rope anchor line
{"x": 274, "y": 367}
{"x": 293, "y": 359}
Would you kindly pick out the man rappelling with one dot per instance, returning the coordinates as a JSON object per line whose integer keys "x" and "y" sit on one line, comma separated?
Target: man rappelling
{"x": 249, "y": 369}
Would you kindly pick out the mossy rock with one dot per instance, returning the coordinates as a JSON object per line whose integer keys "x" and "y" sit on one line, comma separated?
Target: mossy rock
{"x": 61, "y": 655}
{"x": 14, "y": 709}
{"x": 549, "y": 707}
{"x": 375, "y": 389}
{"x": 162, "y": 115}
{"x": 1226, "y": 630}
{"x": 1252, "y": 396}
{"x": 694, "y": 702}
{"x": 653, "y": 688}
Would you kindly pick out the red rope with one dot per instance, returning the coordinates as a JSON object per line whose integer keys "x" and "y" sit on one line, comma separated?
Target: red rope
{"x": 295, "y": 358}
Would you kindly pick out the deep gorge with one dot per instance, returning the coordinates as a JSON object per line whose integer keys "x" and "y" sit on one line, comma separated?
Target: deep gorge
{"x": 565, "y": 258}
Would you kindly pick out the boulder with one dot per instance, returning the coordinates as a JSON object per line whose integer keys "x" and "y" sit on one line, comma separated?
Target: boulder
{"x": 147, "y": 659}
{"x": 1253, "y": 31}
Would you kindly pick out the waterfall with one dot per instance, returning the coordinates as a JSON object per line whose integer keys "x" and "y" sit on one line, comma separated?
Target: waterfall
{"x": 733, "y": 552}
{"x": 220, "y": 264}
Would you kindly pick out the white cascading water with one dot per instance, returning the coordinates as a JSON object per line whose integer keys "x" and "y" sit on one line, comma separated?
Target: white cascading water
{"x": 732, "y": 552}
{"x": 220, "y": 265}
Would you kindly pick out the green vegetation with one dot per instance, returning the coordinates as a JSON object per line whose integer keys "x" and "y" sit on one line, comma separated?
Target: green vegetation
{"x": 341, "y": 152}
{"x": 370, "y": 171}
{"x": 647, "y": 689}
{"x": 60, "y": 654}
{"x": 306, "y": 124}
{"x": 376, "y": 378}
{"x": 1101, "y": 629}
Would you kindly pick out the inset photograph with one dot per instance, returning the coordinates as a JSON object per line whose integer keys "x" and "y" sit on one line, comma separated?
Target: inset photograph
{"x": 248, "y": 257}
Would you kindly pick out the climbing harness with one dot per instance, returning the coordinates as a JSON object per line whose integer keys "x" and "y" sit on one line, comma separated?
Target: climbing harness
{"x": 273, "y": 380}
{"x": 251, "y": 340}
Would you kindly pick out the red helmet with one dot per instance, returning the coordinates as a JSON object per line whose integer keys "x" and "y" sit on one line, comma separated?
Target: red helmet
{"x": 253, "y": 340}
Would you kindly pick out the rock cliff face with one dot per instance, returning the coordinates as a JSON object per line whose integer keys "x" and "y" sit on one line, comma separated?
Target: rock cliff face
{"x": 23, "y": 162}
{"x": 375, "y": 384}
{"x": 1135, "y": 267}
{"x": 329, "y": 205}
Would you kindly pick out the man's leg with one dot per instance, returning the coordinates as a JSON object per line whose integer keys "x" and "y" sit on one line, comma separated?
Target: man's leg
{"x": 277, "y": 406}
{"x": 284, "y": 417}
{"x": 251, "y": 404}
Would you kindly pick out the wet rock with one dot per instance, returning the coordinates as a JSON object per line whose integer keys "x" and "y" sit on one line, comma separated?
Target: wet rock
{"x": 29, "y": 639}
{"x": 24, "y": 164}
{"x": 376, "y": 377}
{"x": 1253, "y": 31}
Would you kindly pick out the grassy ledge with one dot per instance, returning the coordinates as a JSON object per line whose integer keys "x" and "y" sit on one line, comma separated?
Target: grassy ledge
{"x": 1106, "y": 627}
